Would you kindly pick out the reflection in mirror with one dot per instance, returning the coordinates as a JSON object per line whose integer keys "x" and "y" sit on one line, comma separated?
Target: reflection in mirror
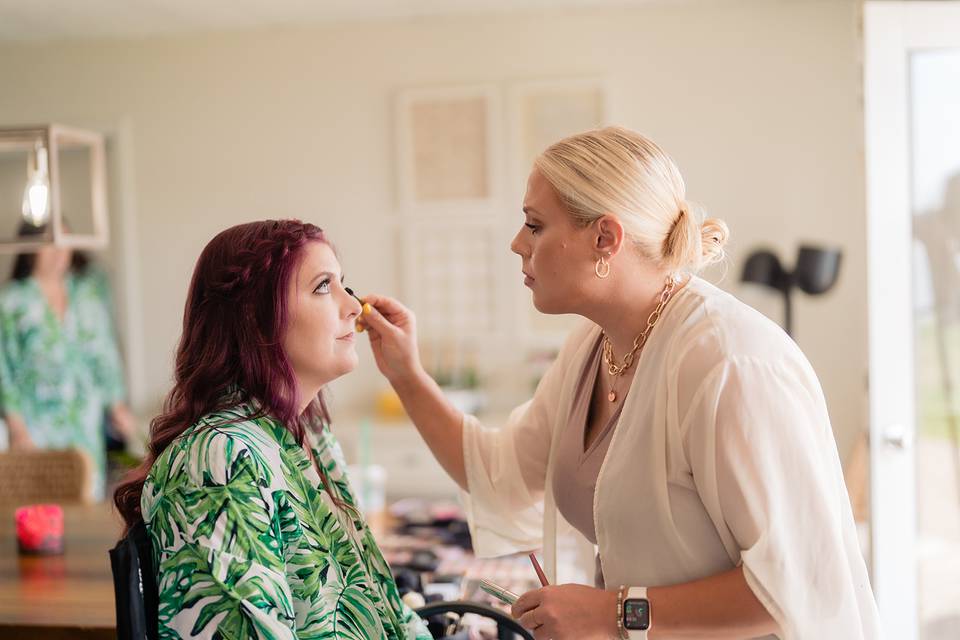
{"x": 75, "y": 162}
{"x": 62, "y": 379}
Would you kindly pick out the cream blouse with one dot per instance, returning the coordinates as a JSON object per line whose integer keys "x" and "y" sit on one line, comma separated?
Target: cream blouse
{"x": 723, "y": 456}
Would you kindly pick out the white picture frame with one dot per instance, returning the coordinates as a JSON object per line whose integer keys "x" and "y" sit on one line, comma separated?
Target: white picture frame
{"x": 541, "y": 112}
{"x": 449, "y": 149}
{"x": 451, "y": 278}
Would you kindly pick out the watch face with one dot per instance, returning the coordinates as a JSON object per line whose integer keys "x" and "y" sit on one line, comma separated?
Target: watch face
{"x": 636, "y": 614}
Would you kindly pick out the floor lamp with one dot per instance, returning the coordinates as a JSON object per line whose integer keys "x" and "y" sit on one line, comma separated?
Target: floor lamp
{"x": 815, "y": 273}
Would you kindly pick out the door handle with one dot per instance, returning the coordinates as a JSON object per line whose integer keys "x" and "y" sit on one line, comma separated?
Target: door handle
{"x": 898, "y": 437}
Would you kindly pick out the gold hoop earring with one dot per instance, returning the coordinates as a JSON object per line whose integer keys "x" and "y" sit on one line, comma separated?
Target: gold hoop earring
{"x": 602, "y": 268}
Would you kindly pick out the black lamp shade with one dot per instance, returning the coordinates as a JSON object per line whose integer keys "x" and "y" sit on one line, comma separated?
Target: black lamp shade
{"x": 817, "y": 269}
{"x": 763, "y": 267}
{"x": 816, "y": 272}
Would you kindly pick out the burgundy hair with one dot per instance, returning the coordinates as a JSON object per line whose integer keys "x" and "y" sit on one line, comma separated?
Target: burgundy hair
{"x": 234, "y": 320}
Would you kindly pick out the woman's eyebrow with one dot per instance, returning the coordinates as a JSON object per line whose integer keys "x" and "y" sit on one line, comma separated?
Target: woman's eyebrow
{"x": 325, "y": 273}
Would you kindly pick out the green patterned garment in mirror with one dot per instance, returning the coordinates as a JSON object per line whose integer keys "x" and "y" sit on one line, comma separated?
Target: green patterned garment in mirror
{"x": 61, "y": 376}
{"x": 249, "y": 544}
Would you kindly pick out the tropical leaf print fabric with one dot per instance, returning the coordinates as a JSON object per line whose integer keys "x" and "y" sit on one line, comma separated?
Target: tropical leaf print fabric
{"x": 61, "y": 376}
{"x": 249, "y": 544}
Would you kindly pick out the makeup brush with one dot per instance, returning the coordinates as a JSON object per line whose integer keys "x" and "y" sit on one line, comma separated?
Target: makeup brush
{"x": 366, "y": 309}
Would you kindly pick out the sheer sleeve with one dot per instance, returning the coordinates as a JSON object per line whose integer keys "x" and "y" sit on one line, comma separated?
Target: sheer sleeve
{"x": 765, "y": 463}
{"x": 507, "y": 467}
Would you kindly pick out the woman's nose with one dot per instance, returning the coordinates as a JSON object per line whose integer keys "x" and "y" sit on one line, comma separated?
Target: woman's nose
{"x": 516, "y": 245}
{"x": 354, "y": 307}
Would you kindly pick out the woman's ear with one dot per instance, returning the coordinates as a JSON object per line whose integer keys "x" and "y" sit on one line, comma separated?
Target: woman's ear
{"x": 608, "y": 235}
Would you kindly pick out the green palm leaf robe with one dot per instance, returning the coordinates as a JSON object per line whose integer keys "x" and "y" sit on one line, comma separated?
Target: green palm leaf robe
{"x": 248, "y": 544}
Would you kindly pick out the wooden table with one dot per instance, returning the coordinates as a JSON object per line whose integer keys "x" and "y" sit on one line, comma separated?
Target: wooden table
{"x": 65, "y": 596}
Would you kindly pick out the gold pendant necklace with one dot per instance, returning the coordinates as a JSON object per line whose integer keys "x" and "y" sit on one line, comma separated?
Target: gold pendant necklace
{"x": 612, "y": 396}
{"x": 617, "y": 370}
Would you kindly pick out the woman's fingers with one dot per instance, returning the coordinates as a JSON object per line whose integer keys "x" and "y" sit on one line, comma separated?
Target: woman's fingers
{"x": 387, "y": 306}
{"x": 372, "y": 318}
{"x": 528, "y": 620}
{"x": 22, "y": 443}
{"x": 527, "y": 602}
{"x": 393, "y": 336}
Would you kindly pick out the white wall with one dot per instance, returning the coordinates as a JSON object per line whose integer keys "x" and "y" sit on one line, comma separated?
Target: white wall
{"x": 759, "y": 102}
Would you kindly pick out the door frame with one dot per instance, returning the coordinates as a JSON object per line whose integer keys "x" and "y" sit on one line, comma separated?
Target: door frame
{"x": 891, "y": 32}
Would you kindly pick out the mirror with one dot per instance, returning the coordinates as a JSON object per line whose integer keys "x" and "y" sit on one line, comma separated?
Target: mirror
{"x": 52, "y": 179}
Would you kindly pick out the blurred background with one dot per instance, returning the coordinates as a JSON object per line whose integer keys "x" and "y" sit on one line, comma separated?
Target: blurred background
{"x": 406, "y": 129}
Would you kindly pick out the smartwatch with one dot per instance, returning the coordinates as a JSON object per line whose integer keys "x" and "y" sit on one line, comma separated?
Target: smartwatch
{"x": 636, "y": 613}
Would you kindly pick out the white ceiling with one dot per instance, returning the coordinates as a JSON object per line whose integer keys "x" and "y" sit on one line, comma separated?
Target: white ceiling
{"x": 42, "y": 20}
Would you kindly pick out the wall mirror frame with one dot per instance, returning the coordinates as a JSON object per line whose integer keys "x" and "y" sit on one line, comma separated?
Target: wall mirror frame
{"x": 45, "y": 147}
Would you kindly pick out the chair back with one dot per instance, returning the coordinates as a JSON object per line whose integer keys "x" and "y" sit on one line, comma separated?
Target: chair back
{"x": 45, "y": 476}
{"x": 135, "y": 586}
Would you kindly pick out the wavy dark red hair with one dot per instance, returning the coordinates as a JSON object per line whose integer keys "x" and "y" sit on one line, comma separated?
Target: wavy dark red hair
{"x": 233, "y": 322}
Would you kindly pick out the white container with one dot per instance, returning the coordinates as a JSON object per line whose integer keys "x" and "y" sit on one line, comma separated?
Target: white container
{"x": 370, "y": 487}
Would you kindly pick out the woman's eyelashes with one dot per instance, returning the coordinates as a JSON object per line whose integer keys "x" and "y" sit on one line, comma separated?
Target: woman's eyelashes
{"x": 534, "y": 228}
{"x": 323, "y": 287}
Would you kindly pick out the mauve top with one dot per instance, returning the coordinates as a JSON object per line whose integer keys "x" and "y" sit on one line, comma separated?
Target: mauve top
{"x": 577, "y": 468}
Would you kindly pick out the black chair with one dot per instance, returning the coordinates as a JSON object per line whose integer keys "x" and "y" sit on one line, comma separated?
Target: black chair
{"x": 135, "y": 586}
{"x": 137, "y": 598}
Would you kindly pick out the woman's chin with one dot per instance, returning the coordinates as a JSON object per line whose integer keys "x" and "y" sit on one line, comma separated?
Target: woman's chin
{"x": 341, "y": 367}
{"x": 350, "y": 362}
{"x": 537, "y": 302}
{"x": 546, "y": 306}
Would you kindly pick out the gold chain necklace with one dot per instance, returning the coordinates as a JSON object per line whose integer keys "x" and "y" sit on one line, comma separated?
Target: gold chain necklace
{"x": 617, "y": 370}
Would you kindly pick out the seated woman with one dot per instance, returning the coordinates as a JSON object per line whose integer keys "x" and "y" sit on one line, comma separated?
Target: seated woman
{"x": 255, "y": 529}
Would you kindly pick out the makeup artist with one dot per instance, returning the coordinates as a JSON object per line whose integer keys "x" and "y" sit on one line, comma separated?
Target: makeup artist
{"x": 679, "y": 433}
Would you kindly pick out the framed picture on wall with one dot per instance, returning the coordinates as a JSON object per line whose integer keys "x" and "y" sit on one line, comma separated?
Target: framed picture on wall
{"x": 450, "y": 276}
{"x": 448, "y": 149}
{"x": 542, "y": 112}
